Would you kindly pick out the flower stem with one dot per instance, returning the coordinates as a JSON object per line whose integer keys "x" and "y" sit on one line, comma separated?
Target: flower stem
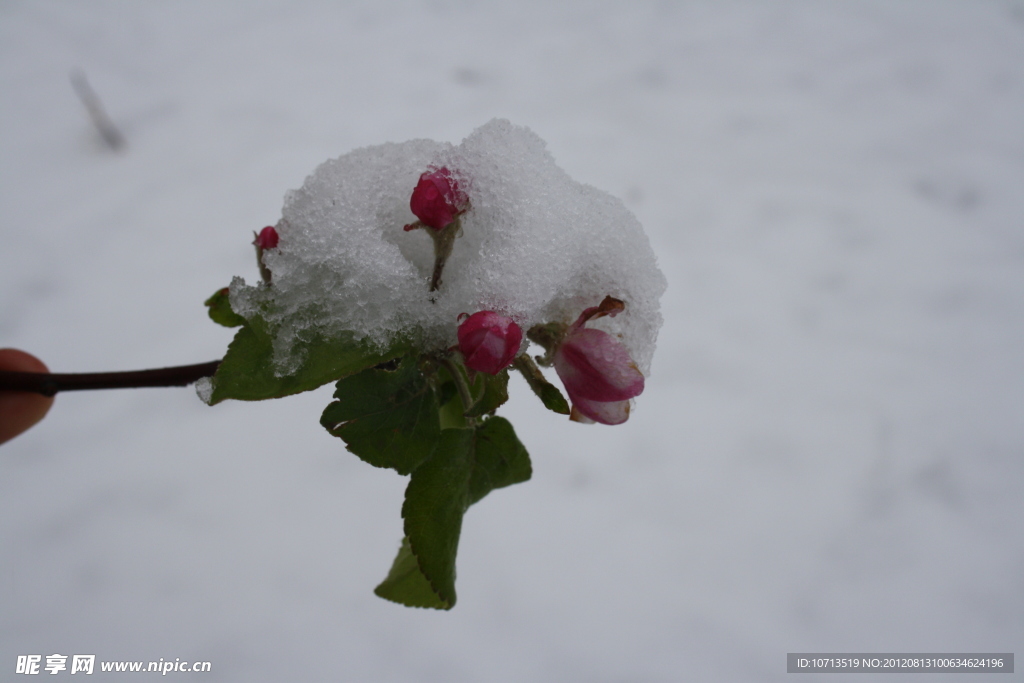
{"x": 444, "y": 240}
{"x": 460, "y": 383}
{"x": 49, "y": 384}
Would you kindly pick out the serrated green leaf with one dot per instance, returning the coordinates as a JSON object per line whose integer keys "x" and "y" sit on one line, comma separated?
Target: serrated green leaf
{"x": 552, "y": 398}
{"x": 405, "y": 583}
{"x": 500, "y": 459}
{"x": 492, "y": 394}
{"x": 247, "y": 371}
{"x": 220, "y": 310}
{"x": 435, "y": 501}
{"x": 388, "y": 418}
{"x": 548, "y": 393}
{"x": 467, "y": 464}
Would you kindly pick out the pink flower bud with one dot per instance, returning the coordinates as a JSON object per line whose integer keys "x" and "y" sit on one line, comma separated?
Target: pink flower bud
{"x": 437, "y": 199}
{"x": 267, "y": 239}
{"x": 597, "y": 371}
{"x": 489, "y": 341}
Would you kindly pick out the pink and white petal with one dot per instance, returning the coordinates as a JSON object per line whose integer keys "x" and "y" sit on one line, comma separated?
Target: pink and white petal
{"x": 608, "y": 413}
{"x": 576, "y": 416}
{"x": 594, "y": 365}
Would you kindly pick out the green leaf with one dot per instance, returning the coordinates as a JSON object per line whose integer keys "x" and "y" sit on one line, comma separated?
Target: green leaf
{"x": 435, "y": 501}
{"x": 445, "y": 393}
{"x": 247, "y": 371}
{"x": 220, "y": 310}
{"x": 465, "y": 467}
{"x": 548, "y": 393}
{"x": 452, "y": 413}
{"x": 500, "y": 459}
{"x": 406, "y": 584}
{"x": 388, "y": 418}
{"x": 492, "y": 391}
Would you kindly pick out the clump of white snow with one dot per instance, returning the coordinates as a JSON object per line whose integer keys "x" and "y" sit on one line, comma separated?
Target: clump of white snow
{"x": 535, "y": 245}
{"x": 204, "y": 389}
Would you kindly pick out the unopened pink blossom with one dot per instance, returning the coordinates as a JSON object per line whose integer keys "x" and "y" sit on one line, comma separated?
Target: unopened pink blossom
{"x": 598, "y": 373}
{"x": 489, "y": 341}
{"x": 437, "y": 199}
{"x": 267, "y": 239}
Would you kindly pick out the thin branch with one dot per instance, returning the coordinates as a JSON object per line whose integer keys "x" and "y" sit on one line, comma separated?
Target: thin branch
{"x": 108, "y": 131}
{"x": 49, "y": 384}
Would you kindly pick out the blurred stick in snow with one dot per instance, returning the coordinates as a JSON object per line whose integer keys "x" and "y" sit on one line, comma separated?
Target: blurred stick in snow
{"x": 49, "y": 384}
{"x": 108, "y": 131}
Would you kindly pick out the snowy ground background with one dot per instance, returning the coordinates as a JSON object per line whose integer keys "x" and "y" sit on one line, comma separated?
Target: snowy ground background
{"x": 828, "y": 456}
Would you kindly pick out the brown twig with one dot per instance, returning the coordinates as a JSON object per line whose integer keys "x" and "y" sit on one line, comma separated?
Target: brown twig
{"x": 49, "y": 384}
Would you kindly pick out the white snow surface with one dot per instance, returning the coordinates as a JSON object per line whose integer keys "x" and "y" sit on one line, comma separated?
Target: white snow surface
{"x": 534, "y": 245}
{"x": 829, "y": 453}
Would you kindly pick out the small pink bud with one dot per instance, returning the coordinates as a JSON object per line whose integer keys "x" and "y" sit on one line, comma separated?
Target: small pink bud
{"x": 267, "y": 239}
{"x": 437, "y": 199}
{"x": 597, "y": 371}
{"x": 489, "y": 341}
